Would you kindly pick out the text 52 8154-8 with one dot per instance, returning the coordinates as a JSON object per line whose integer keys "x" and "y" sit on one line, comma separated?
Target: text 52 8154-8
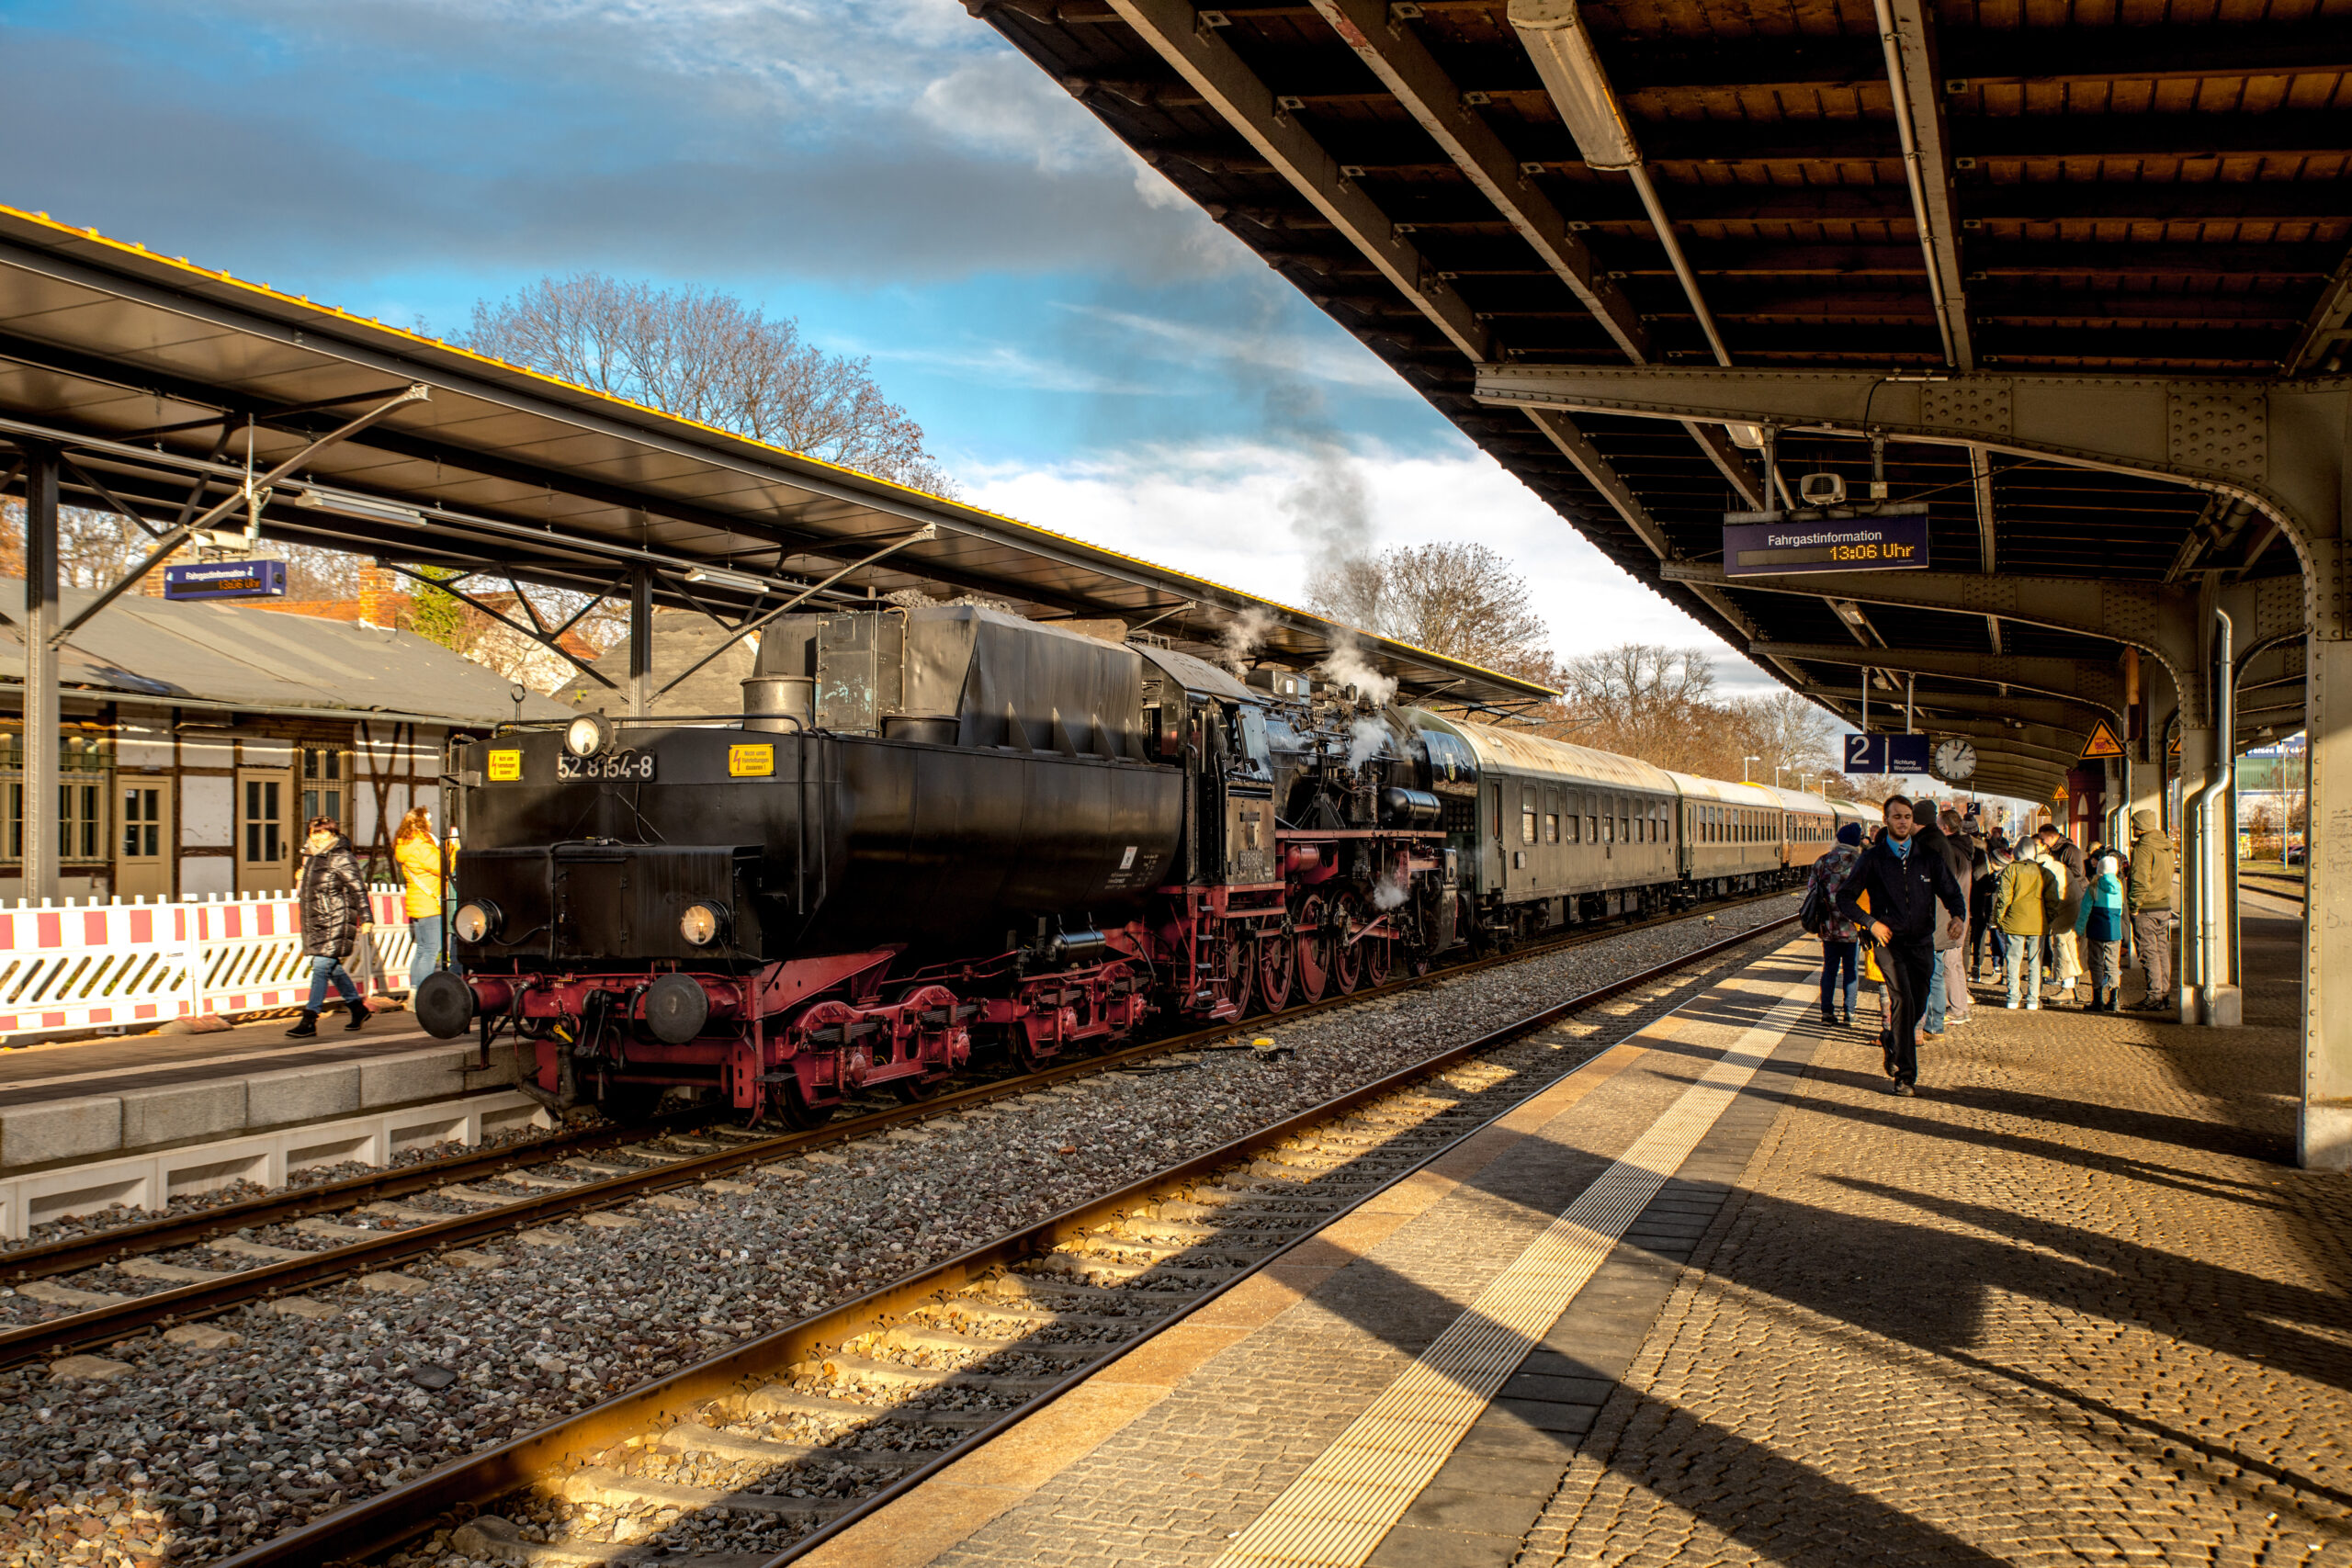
{"x": 634, "y": 766}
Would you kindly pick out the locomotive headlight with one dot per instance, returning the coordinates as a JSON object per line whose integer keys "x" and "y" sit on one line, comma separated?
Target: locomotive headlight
{"x": 475, "y": 920}
{"x": 588, "y": 734}
{"x": 701, "y": 924}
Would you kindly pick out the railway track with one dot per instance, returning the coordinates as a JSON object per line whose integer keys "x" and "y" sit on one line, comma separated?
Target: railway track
{"x": 755, "y": 1454}
{"x": 223, "y": 1266}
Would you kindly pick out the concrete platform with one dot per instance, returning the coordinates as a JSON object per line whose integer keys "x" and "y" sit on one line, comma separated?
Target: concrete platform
{"x": 77, "y": 1101}
{"x": 1722, "y": 1298}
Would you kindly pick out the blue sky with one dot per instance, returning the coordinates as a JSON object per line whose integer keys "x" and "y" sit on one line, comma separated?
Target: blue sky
{"x": 1083, "y": 347}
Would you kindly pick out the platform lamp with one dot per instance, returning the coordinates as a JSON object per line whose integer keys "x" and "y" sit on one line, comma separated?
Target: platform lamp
{"x": 1743, "y": 768}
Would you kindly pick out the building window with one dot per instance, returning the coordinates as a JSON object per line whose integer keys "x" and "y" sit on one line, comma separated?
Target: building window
{"x": 142, "y": 821}
{"x": 264, "y": 822}
{"x": 84, "y": 763}
{"x": 322, "y": 786}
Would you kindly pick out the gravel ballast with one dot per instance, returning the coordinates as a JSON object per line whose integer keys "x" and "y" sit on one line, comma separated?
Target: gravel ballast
{"x": 184, "y": 1451}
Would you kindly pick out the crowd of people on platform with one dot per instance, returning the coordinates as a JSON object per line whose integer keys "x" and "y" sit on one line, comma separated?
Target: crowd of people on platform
{"x": 1917, "y": 903}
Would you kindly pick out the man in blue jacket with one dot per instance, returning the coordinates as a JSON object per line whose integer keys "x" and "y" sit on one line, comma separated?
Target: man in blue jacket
{"x": 1905, "y": 883}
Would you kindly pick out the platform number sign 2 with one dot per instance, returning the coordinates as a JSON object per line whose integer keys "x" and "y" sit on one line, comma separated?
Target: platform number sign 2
{"x": 1866, "y": 753}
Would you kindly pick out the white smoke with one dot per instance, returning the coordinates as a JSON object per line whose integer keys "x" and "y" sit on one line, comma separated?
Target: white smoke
{"x": 1365, "y": 737}
{"x": 1345, "y": 665}
{"x": 1243, "y": 636}
{"x": 1390, "y": 892}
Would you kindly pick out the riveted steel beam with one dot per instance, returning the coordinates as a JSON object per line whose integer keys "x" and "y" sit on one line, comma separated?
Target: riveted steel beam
{"x": 2277, "y": 444}
{"x": 2091, "y": 682}
{"x": 1980, "y": 477}
{"x": 1908, "y": 34}
{"x": 2160, "y": 620}
{"x": 2326, "y": 340}
{"x": 1198, "y": 53}
{"x": 1388, "y": 46}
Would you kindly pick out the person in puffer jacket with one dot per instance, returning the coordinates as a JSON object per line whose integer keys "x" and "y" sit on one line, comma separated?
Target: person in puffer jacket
{"x": 2103, "y": 931}
{"x": 335, "y": 917}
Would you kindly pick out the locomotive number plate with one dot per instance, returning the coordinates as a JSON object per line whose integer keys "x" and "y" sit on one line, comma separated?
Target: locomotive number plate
{"x": 634, "y": 766}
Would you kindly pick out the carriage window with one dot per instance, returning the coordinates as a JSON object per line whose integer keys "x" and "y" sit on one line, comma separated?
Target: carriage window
{"x": 1550, "y": 827}
{"x": 1576, "y": 827}
{"x": 1592, "y": 828}
{"x": 1624, "y": 824}
{"x": 1609, "y": 830}
{"x": 1527, "y": 817}
{"x": 1498, "y": 811}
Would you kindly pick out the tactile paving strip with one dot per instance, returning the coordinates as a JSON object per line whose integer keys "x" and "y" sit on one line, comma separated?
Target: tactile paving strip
{"x": 1356, "y": 1492}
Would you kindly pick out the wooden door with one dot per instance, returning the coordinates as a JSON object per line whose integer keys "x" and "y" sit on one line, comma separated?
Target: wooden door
{"x": 142, "y": 846}
{"x": 266, "y": 835}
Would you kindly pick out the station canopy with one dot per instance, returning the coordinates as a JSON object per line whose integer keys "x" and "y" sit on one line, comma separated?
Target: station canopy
{"x": 1565, "y": 223}
{"x": 168, "y": 390}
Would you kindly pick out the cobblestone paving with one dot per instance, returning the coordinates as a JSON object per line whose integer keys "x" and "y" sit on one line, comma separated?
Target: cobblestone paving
{"x": 2071, "y": 1305}
{"x": 1175, "y": 1485}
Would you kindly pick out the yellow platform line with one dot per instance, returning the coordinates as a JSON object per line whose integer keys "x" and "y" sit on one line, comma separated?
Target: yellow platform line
{"x": 1335, "y": 1513}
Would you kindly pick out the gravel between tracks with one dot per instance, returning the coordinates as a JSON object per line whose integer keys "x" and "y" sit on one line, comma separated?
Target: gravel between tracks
{"x": 187, "y": 1453}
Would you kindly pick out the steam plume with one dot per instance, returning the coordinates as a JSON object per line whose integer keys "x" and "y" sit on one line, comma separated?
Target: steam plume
{"x": 1346, "y": 665}
{"x": 1243, "y": 636}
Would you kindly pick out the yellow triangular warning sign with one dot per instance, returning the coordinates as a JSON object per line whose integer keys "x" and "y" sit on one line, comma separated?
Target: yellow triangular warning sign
{"x": 2174, "y": 749}
{"x": 2102, "y": 743}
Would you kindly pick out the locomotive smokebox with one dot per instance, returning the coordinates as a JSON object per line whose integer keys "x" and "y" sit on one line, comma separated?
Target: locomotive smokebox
{"x": 1410, "y": 807}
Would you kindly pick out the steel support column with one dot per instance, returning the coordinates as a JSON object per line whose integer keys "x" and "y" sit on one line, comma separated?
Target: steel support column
{"x": 2326, "y": 1135}
{"x": 641, "y": 642}
{"x": 42, "y": 827}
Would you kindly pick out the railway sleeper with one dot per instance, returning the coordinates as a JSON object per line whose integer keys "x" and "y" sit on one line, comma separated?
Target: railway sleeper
{"x": 1138, "y": 1274}
{"x": 238, "y": 1246}
{"x": 892, "y": 1374}
{"x": 782, "y": 1399}
{"x": 693, "y": 1437}
{"x": 175, "y": 1273}
{"x": 906, "y": 1338}
{"x": 966, "y": 1309}
{"x": 618, "y": 1489}
{"x": 490, "y": 1539}
{"x": 1170, "y": 1229}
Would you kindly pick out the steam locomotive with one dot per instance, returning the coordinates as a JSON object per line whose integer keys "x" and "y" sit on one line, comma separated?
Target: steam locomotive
{"x": 944, "y": 830}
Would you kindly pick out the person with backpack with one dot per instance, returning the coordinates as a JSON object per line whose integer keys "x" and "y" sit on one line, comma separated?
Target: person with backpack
{"x": 1840, "y": 937}
{"x": 2024, "y": 900}
{"x": 2103, "y": 931}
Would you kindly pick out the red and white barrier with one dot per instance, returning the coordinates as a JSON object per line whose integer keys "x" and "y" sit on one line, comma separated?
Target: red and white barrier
{"x": 87, "y": 966}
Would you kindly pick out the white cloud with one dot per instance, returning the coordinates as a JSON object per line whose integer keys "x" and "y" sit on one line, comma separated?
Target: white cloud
{"x": 1224, "y": 511}
{"x": 1334, "y": 358}
{"x": 1004, "y": 365}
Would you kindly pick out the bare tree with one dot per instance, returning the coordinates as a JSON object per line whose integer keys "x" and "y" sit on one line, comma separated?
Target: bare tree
{"x": 1790, "y": 737}
{"x": 1459, "y": 599}
{"x": 710, "y": 357}
{"x": 1647, "y": 701}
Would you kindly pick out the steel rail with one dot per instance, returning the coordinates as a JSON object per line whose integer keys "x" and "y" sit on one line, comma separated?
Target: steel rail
{"x": 377, "y": 1524}
{"x": 183, "y": 1303}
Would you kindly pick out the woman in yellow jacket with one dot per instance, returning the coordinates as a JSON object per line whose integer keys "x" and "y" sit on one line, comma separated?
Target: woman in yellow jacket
{"x": 421, "y": 860}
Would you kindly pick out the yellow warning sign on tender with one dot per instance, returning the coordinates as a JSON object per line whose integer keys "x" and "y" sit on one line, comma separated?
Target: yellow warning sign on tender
{"x": 750, "y": 762}
{"x": 2174, "y": 749}
{"x": 506, "y": 767}
{"x": 2102, "y": 743}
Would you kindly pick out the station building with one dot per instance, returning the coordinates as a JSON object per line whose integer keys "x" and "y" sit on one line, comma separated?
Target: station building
{"x": 200, "y": 737}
